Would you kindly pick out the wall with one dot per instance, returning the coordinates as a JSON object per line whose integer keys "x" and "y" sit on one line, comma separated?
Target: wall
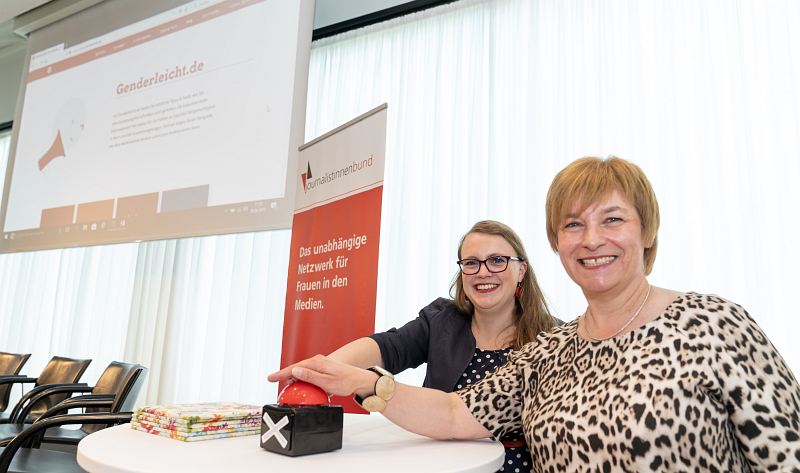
{"x": 11, "y": 61}
{"x": 329, "y": 12}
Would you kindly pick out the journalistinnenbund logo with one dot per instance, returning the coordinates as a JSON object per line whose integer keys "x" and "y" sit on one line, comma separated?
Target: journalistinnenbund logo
{"x": 306, "y": 175}
{"x": 309, "y": 182}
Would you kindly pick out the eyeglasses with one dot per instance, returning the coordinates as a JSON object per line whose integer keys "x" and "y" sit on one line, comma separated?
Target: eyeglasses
{"x": 495, "y": 264}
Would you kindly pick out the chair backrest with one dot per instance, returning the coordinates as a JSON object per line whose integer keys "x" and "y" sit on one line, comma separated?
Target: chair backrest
{"x": 59, "y": 370}
{"x": 124, "y": 381}
{"x": 10, "y": 364}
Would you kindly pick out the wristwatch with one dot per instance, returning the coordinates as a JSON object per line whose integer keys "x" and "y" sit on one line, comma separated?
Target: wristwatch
{"x": 384, "y": 390}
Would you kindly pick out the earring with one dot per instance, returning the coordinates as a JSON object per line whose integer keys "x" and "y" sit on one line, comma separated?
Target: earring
{"x": 518, "y": 291}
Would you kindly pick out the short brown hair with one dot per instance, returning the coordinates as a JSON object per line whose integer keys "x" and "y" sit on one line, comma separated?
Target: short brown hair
{"x": 531, "y": 314}
{"x": 589, "y": 179}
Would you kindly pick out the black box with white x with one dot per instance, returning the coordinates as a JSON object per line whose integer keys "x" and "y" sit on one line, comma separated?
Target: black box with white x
{"x": 301, "y": 430}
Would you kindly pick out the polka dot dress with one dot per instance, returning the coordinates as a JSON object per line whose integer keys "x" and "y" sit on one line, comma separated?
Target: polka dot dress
{"x": 483, "y": 362}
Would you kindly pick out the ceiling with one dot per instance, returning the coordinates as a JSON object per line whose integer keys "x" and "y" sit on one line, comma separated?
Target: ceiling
{"x": 327, "y": 12}
{"x": 8, "y": 10}
{"x": 11, "y": 8}
{"x": 7, "y": 37}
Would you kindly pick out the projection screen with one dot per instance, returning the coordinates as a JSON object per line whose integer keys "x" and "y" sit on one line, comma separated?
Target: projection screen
{"x": 156, "y": 120}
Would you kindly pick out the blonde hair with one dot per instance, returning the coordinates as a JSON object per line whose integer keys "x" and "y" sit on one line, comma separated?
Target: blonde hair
{"x": 531, "y": 314}
{"x": 589, "y": 179}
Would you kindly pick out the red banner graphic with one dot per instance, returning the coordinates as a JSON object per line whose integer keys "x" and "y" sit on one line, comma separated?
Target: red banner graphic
{"x": 333, "y": 273}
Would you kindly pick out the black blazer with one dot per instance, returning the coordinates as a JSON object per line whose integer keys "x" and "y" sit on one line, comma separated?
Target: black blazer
{"x": 440, "y": 336}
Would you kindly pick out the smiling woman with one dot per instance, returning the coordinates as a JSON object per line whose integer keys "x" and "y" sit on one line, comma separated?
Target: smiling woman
{"x": 587, "y": 181}
{"x": 602, "y": 220}
{"x": 491, "y": 287}
{"x": 602, "y": 246}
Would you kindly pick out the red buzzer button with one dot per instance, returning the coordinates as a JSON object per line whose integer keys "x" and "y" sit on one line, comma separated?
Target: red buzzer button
{"x": 301, "y": 393}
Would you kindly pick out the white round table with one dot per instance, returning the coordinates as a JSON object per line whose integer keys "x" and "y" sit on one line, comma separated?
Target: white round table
{"x": 369, "y": 443}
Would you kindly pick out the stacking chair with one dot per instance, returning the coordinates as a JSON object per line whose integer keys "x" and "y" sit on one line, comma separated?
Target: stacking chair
{"x": 59, "y": 370}
{"x": 10, "y": 365}
{"x": 23, "y": 455}
{"x": 116, "y": 390}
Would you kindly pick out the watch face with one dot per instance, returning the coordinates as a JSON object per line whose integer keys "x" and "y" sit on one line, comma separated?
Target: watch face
{"x": 384, "y": 387}
{"x": 374, "y": 404}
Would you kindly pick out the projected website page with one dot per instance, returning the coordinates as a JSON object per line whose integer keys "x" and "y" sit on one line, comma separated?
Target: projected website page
{"x": 176, "y": 125}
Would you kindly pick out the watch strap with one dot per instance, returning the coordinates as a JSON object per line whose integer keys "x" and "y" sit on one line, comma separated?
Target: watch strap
{"x": 383, "y": 392}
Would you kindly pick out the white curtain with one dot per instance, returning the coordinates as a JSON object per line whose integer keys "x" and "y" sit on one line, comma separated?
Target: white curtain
{"x": 207, "y": 316}
{"x": 487, "y": 100}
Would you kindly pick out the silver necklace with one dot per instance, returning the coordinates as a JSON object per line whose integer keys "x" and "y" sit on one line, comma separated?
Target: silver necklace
{"x": 627, "y": 324}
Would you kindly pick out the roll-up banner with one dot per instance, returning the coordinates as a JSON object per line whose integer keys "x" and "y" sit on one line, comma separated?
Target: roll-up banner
{"x": 333, "y": 266}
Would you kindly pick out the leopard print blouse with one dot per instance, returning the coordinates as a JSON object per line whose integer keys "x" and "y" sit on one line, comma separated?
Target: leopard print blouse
{"x": 700, "y": 388}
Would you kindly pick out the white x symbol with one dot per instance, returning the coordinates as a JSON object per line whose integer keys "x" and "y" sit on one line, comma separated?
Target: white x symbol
{"x": 275, "y": 430}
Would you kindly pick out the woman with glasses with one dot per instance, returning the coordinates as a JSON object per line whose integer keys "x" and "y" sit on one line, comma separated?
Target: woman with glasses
{"x": 645, "y": 379}
{"x": 497, "y": 306}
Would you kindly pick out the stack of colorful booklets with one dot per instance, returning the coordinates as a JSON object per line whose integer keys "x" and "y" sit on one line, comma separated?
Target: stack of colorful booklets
{"x": 203, "y": 421}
